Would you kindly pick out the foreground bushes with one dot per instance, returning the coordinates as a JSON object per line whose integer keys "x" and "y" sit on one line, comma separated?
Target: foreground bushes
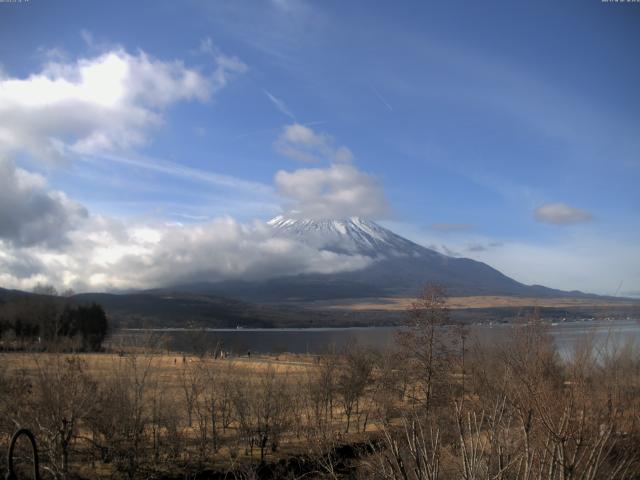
{"x": 438, "y": 408}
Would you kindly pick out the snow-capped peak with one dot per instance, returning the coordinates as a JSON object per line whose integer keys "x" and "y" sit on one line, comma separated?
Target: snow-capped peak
{"x": 352, "y": 235}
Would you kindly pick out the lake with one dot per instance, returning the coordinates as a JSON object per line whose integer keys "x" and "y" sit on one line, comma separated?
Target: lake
{"x": 319, "y": 340}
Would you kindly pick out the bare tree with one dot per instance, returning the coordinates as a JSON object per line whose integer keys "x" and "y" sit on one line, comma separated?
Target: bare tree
{"x": 122, "y": 415}
{"x": 425, "y": 342}
{"x": 190, "y": 385}
{"x": 64, "y": 397}
{"x": 353, "y": 379}
{"x": 321, "y": 389}
{"x": 409, "y": 453}
{"x": 270, "y": 407}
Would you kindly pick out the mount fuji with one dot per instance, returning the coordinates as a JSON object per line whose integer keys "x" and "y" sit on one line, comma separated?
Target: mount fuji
{"x": 351, "y": 236}
{"x": 395, "y": 267}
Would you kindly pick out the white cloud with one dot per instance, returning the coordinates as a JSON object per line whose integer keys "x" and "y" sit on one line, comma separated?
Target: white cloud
{"x": 342, "y": 155}
{"x": 338, "y": 191}
{"x": 104, "y": 103}
{"x": 107, "y": 254}
{"x": 193, "y": 174}
{"x": 87, "y": 38}
{"x": 226, "y": 66}
{"x": 280, "y": 105}
{"x": 301, "y": 143}
{"x": 561, "y": 214}
{"x": 304, "y": 136}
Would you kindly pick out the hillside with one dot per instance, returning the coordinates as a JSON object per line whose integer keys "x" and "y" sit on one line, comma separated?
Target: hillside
{"x": 397, "y": 267}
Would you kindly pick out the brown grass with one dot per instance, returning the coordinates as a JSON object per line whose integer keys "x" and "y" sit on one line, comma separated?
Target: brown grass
{"x": 403, "y": 303}
{"x": 167, "y": 366}
{"x": 168, "y": 369}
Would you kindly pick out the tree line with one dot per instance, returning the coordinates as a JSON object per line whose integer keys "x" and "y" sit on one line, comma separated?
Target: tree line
{"x": 45, "y": 320}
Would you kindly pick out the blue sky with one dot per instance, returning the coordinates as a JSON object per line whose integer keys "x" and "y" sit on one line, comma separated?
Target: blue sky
{"x": 508, "y": 132}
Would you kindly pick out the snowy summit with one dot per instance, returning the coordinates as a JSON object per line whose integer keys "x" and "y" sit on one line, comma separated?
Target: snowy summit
{"x": 353, "y": 236}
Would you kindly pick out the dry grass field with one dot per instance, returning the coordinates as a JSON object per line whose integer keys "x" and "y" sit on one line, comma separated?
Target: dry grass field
{"x": 167, "y": 366}
{"x": 181, "y": 398}
{"x": 402, "y": 304}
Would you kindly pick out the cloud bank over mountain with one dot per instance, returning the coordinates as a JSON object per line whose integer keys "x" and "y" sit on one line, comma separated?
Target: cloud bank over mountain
{"x": 106, "y": 105}
{"x": 107, "y": 254}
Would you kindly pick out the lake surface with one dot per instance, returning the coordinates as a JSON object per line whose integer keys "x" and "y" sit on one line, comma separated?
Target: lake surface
{"x": 319, "y": 340}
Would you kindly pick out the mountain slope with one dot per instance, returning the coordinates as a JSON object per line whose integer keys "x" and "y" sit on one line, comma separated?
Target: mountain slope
{"x": 398, "y": 267}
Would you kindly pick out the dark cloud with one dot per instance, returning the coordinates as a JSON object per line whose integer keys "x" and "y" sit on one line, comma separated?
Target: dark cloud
{"x": 30, "y": 213}
{"x": 22, "y": 265}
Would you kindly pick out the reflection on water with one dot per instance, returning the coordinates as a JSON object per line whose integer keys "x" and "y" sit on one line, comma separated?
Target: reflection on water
{"x": 318, "y": 340}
